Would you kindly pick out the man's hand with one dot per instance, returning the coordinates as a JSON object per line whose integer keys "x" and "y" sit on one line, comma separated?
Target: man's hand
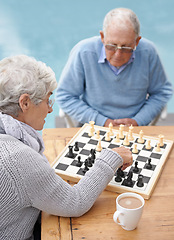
{"x": 126, "y": 155}
{"x": 109, "y": 121}
{"x": 125, "y": 121}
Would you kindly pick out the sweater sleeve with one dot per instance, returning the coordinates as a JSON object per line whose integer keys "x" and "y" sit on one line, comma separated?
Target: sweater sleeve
{"x": 50, "y": 193}
{"x": 70, "y": 89}
{"x": 159, "y": 91}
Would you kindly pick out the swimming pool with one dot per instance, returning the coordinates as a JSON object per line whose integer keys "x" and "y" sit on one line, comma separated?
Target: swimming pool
{"x": 48, "y": 29}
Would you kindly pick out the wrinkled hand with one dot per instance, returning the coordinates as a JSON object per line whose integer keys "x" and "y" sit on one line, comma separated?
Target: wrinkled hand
{"x": 125, "y": 121}
{"x": 126, "y": 155}
{"x": 110, "y": 121}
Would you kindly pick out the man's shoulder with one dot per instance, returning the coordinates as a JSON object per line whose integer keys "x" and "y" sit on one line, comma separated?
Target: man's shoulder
{"x": 145, "y": 44}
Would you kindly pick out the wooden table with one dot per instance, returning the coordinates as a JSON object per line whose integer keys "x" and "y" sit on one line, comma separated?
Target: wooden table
{"x": 157, "y": 221}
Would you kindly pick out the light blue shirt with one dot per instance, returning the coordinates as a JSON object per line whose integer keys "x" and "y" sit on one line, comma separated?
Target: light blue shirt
{"x": 90, "y": 90}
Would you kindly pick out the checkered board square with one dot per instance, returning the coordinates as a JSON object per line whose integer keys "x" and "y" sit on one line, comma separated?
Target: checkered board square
{"x": 67, "y": 168}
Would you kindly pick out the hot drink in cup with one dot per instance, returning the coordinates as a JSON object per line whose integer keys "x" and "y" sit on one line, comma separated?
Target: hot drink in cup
{"x": 129, "y": 210}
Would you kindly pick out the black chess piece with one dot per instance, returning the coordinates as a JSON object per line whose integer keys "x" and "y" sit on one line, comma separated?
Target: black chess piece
{"x": 121, "y": 173}
{"x": 128, "y": 181}
{"x": 118, "y": 177}
{"x": 76, "y": 146}
{"x": 93, "y": 152}
{"x": 86, "y": 166}
{"x": 140, "y": 182}
{"x": 136, "y": 169}
{"x": 149, "y": 165}
{"x": 79, "y": 163}
{"x": 89, "y": 162}
{"x": 70, "y": 153}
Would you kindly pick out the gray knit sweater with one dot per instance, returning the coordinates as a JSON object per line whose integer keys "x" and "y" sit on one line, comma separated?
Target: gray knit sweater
{"x": 29, "y": 185}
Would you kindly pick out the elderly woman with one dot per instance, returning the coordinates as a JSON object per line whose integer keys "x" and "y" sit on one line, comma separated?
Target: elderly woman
{"x": 28, "y": 184}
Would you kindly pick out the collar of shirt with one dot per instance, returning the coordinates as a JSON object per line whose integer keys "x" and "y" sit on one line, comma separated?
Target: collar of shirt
{"x": 116, "y": 70}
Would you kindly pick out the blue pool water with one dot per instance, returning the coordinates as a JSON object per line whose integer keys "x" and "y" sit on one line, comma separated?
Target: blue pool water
{"x": 48, "y": 29}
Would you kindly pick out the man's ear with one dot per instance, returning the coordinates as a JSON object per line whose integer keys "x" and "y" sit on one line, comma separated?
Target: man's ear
{"x": 24, "y": 102}
{"x": 137, "y": 40}
{"x": 102, "y": 36}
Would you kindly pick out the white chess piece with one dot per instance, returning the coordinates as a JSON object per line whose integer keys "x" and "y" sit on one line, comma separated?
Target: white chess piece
{"x": 157, "y": 148}
{"x": 121, "y": 128}
{"x": 161, "y": 138}
{"x": 148, "y": 146}
{"x": 141, "y": 140}
{"x": 97, "y": 136}
{"x": 99, "y": 147}
{"x": 92, "y": 126}
{"x": 135, "y": 150}
{"x": 131, "y": 138}
{"x": 111, "y": 129}
{"x": 126, "y": 141}
{"x": 107, "y": 137}
{"x": 91, "y": 132}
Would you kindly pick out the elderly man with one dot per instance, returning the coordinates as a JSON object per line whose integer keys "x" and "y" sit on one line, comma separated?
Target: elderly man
{"x": 117, "y": 77}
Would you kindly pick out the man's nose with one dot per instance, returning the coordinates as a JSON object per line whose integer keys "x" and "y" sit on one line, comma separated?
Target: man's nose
{"x": 118, "y": 52}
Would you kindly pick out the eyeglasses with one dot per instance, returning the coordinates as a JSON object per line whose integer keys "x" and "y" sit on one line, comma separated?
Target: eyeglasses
{"x": 51, "y": 102}
{"x": 114, "y": 48}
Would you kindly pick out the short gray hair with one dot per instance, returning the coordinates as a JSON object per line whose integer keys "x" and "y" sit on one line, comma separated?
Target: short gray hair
{"x": 122, "y": 14}
{"x": 22, "y": 74}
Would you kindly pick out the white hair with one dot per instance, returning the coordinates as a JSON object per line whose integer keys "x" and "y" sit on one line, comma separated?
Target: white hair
{"x": 123, "y": 15}
{"x": 22, "y": 74}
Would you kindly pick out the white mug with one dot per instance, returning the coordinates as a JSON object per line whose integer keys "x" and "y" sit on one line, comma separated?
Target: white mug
{"x": 128, "y": 215}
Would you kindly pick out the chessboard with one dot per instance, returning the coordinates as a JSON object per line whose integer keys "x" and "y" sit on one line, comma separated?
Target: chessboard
{"x": 149, "y": 156}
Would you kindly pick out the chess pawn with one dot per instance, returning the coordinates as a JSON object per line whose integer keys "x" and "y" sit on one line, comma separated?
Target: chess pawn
{"x": 135, "y": 150}
{"x": 136, "y": 169}
{"x": 121, "y": 128}
{"x": 140, "y": 182}
{"x": 149, "y": 165}
{"x": 141, "y": 140}
{"x": 148, "y": 146}
{"x": 99, "y": 147}
{"x": 161, "y": 138}
{"x": 126, "y": 141}
{"x": 107, "y": 138}
{"x": 97, "y": 134}
{"x": 157, "y": 148}
{"x": 76, "y": 146}
{"x": 111, "y": 129}
{"x": 79, "y": 163}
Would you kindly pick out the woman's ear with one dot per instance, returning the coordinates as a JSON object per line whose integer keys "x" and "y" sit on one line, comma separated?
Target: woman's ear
{"x": 24, "y": 102}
